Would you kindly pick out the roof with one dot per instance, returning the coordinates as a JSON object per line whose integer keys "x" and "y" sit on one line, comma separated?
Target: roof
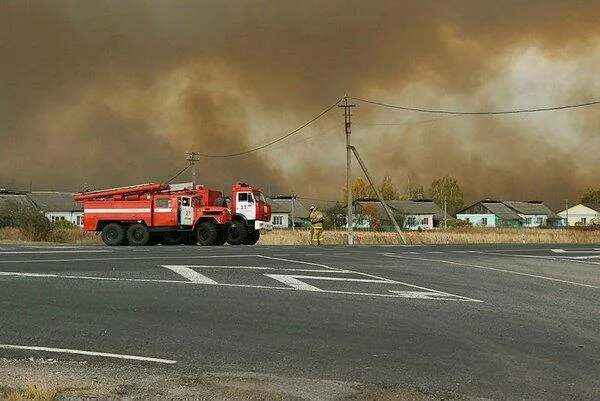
{"x": 510, "y": 210}
{"x": 406, "y": 207}
{"x": 284, "y": 205}
{"x": 19, "y": 199}
{"x": 530, "y": 208}
{"x": 501, "y": 211}
{"x": 55, "y": 201}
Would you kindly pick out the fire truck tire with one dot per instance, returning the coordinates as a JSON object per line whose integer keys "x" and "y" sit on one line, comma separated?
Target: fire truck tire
{"x": 236, "y": 233}
{"x": 138, "y": 234}
{"x": 113, "y": 234}
{"x": 252, "y": 237}
{"x": 206, "y": 233}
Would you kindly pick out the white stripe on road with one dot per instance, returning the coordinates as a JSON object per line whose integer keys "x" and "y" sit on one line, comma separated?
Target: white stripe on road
{"x": 191, "y": 275}
{"x": 90, "y": 353}
{"x": 50, "y": 252}
{"x": 493, "y": 269}
{"x": 293, "y": 282}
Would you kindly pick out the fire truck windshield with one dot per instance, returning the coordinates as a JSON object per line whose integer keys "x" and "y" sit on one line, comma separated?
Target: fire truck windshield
{"x": 259, "y": 197}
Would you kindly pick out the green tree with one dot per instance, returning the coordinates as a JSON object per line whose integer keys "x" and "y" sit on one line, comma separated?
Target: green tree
{"x": 387, "y": 189}
{"x": 447, "y": 188}
{"x": 590, "y": 195}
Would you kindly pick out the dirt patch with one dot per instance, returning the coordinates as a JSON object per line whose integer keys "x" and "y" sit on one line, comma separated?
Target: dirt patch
{"x": 82, "y": 380}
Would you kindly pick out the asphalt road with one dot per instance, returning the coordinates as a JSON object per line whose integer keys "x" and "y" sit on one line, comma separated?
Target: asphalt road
{"x": 501, "y": 322}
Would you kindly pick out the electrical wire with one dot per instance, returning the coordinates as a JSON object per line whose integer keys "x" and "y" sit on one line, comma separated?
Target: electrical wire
{"x": 478, "y": 113}
{"x": 312, "y": 120}
{"x": 179, "y": 173}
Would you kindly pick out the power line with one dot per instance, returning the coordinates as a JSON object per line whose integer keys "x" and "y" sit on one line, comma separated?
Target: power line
{"x": 312, "y": 120}
{"x": 476, "y": 113}
{"x": 179, "y": 173}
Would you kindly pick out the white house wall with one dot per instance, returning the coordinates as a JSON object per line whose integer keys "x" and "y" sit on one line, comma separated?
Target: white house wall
{"x": 579, "y": 212}
{"x": 534, "y": 220}
{"x": 72, "y": 217}
{"x": 479, "y": 220}
{"x": 284, "y": 220}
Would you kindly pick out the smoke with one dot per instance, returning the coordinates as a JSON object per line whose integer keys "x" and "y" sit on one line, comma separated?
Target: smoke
{"x": 114, "y": 93}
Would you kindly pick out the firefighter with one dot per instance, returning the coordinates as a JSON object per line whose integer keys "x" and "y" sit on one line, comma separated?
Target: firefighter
{"x": 316, "y": 231}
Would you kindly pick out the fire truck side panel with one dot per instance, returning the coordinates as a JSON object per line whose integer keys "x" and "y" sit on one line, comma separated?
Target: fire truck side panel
{"x": 97, "y": 212}
{"x": 165, "y": 211}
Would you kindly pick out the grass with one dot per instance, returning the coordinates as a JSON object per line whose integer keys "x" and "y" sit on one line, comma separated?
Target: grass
{"x": 35, "y": 392}
{"x": 466, "y": 235}
{"x": 462, "y": 235}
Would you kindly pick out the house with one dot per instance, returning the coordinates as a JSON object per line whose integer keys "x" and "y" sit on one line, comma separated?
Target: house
{"x": 419, "y": 214}
{"x": 285, "y": 209}
{"x": 58, "y": 206}
{"x": 582, "y": 214}
{"x": 14, "y": 199}
{"x": 495, "y": 213}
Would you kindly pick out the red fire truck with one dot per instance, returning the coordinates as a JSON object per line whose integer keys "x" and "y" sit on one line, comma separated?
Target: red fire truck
{"x": 148, "y": 214}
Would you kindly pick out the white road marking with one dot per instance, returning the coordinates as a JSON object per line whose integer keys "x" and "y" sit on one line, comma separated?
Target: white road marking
{"x": 493, "y": 269}
{"x": 51, "y": 252}
{"x": 594, "y": 250}
{"x": 293, "y": 282}
{"x": 191, "y": 275}
{"x": 431, "y": 295}
{"x": 90, "y": 353}
{"x": 139, "y": 280}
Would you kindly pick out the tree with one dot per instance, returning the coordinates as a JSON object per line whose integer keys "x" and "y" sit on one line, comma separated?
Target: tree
{"x": 447, "y": 188}
{"x": 387, "y": 189}
{"x": 360, "y": 190}
{"x": 590, "y": 195}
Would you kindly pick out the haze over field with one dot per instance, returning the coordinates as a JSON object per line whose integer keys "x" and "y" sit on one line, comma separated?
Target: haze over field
{"x": 113, "y": 93}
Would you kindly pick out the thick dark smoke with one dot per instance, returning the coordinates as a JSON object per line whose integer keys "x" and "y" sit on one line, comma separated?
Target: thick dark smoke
{"x": 115, "y": 92}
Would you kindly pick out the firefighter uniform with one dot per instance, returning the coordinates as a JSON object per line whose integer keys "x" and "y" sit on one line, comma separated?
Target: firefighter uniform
{"x": 316, "y": 231}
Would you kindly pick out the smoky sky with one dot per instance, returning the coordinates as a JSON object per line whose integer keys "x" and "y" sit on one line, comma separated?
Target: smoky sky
{"x": 109, "y": 93}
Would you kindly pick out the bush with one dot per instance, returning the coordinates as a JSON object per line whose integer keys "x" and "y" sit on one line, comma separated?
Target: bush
{"x": 33, "y": 224}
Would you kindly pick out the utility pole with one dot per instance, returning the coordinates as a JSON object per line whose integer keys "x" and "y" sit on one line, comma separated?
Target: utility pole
{"x": 445, "y": 213}
{"x": 293, "y": 225}
{"x": 192, "y": 158}
{"x": 348, "y": 129}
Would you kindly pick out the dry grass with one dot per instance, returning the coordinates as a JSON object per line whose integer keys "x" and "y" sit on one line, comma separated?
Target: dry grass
{"x": 463, "y": 235}
{"x": 35, "y": 392}
{"x": 451, "y": 236}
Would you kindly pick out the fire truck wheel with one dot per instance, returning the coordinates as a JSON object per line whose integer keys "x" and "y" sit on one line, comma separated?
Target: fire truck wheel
{"x": 236, "y": 233}
{"x": 252, "y": 237}
{"x": 206, "y": 233}
{"x": 113, "y": 234}
{"x": 138, "y": 235}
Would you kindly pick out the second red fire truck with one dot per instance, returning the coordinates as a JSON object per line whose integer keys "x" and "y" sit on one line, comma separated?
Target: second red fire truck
{"x": 148, "y": 214}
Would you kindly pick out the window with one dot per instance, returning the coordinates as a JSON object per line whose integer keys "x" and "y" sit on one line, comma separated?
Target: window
{"x": 278, "y": 220}
{"x": 245, "y": 197}
{"x": 484, "y": 221}
{"x": 162, "y": 203}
